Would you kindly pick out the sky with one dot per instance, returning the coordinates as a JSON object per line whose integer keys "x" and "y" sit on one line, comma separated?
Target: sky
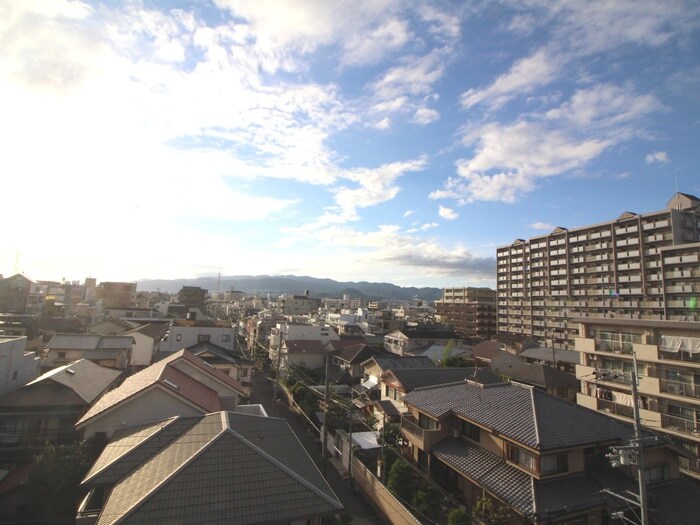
{"x": 396, "y": 141}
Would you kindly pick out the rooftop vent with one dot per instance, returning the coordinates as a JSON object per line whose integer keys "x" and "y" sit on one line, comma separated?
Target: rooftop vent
{"x": 70, "y": 371}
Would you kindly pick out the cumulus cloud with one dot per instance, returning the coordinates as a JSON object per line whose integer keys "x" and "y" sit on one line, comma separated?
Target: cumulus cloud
{"x": 657, "y": 157}
{"x": 425, "y": 116}
{"x": 510, "y": 158}
{"x": 447, "y": 213}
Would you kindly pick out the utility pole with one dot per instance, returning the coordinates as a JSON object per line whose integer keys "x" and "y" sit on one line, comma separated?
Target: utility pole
{"x": 277, "y": 374}
{"x": 633, "y": 454}
{"x": 327, "y": 401}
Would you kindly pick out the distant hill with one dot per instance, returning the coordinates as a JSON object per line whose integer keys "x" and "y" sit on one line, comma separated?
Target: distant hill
{"x": 292, "y": 284}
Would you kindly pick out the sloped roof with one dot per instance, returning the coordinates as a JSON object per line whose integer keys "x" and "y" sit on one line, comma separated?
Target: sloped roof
{"x": 153, "y": 330}
{"x": 412, "y": 378}
{"x": 486, "y": 350}
{"x": 429, "y": 334}
{"x": 397, "y": 362}
{"x": 527, "y": 495}
{"x": 304, "y": 346}
{"x": 211, "y": 468}
{"x": 159, "y": 372}
{"x": 90, "y": 342}
{"x": 533, "y": 374}
{"x": 521, "y": 413}
{"x": 545, "y": 354}
{"x": 355, "y": 353}
{"x": 84, "y": 377}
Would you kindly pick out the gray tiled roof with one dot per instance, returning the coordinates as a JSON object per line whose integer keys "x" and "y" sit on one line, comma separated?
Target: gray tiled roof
{"x": 490, "y": 472}
{"x": 412, "y": 378}
{"x": 396, "y": 362}
{"x": 90, "y": 342}
{"x": 545, "y": 354}
{"x": 214, "y": 469}
{"x": 523, "y": 414}
{"x": 84, "y": 377}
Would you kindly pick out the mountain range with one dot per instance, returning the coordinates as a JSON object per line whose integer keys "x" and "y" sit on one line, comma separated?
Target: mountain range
{"x": 291, "y": 284}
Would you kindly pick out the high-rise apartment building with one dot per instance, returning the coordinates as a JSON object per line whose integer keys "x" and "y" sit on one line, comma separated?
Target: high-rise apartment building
{"x": 470, "y": 311}
{"x": 638, "y": 266}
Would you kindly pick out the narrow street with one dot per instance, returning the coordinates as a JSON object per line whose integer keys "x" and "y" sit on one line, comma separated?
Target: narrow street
{"x": 363, "y": 512}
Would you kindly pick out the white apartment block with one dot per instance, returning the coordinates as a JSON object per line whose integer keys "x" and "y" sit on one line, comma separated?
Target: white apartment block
{"x": 17, "y": 366}
{"x": 638, "y": 266}
{"x": 668, "y": 365}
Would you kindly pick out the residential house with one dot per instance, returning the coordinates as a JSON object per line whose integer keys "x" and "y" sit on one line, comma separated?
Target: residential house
{"x": 146, "y": 339}
{"x": 485, "y": 351}
{"x": 300, "y": 304}
{"x": 375, "y": 366}
{"x": 235, "y": 365}
{"x": 223, "y": 467}
{"x": 309, "y": 353}
{"x": 667, "y": 355}
{"x": 412, "y": 341}
{"x": 184, "y": 333}
{"x": 347, "y": 355}
{"x": 294, "y": 330}
{"x": 535, "y": 457}
{"x": 111, "y": 351}
{"x": 181, "y": 384}
{"x": 552, "y": 380}
{"x": 45, "y": 409}
{"x": 109, "y": 327}
{"x": 17, "y": 366}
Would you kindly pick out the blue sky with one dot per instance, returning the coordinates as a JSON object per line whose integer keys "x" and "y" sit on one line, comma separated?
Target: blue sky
{"x": 381, "y": 140}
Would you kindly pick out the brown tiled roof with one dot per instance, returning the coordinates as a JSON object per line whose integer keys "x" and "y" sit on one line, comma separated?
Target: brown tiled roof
{"x": 189, "y": 388}
{"x": 304, "y": 346}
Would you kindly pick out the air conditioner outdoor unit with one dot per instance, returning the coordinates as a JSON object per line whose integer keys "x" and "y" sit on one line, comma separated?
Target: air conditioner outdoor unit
{"x": 672, "y": 389}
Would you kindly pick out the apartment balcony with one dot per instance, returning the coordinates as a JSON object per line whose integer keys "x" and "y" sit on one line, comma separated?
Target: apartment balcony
{"x": 680, "y": 356}
{"x": 679, "y": 388}
{"x": 690, "y": 466}
{"x": 679, "y": 424}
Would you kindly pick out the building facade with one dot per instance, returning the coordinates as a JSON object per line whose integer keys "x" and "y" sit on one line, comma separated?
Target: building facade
{"x": 638, "y": 266}
{"x": 470, "y": 311}
{"x": 668, "y": 366}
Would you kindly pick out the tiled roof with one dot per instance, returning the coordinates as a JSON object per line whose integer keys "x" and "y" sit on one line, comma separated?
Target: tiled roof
{"x": 489, "y": 471}
{"x": 545, "y": 354}
{"x": 84, "y": 377}
{"x": 213, "y": 468}
{"x": 412, "y": 378}
{"x": 354, "y": 353}
{"x": 430, "y": 334}
{"x": 189, "y": 388}
{"x": 533, "y": 374}
{"x": 397, "y": 362}
{"x": 74, "y": 342}
{"x": 304, "y": 346}
{"x": 153, "y": 330}
{"x": 521, "y": 413}
{"x": 486, "y": 349}
{"x": 90, "y": 342}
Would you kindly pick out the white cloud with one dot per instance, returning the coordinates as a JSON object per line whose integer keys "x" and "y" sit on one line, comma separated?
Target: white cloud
{"x": 414, "y": 77}
{"x": 525, "y": 76}
{"x": 542, "y": 226}
{"x": 408, "y": 213}
{"x": 424, "y": 116}
{"x": 657, "y": 157}
{"x": 509, "y": 159}
{"x": 447, "y": 213}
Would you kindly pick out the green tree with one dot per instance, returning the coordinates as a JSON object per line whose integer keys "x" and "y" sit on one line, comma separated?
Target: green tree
{"x": 488, "y": 512}
{"x": 457, "y": 362}
{"x": 447, "y": 351}
{"x": 459, "y": 517}
{"x": 401, "y": 481}
{"x": 56, "y": 475}
{"x": 427, "y": 500}
{"x": 389, "y": 434}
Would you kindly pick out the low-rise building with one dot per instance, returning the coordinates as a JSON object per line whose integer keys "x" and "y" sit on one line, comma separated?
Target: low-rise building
{"x": 413, "y": 341}
{"x": 224, "y": 467}
{"x": 110, "y": 351}
{"x": 184, "y": 333}
{"x": 17, "y": 366}
{"x": 181, "y": 384}
{"x": 536, "y": 458}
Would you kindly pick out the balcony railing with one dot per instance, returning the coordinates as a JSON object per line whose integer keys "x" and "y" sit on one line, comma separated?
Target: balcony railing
{"x": 410, "y": 424}
{"x": 691, "y": 465}
{"x": 686, "y": 357}
{"x": 679, "y": 388}
{"x": 615, "y": 408}
{"x": 613, "y": 346}
{"x": 686, "y": 426}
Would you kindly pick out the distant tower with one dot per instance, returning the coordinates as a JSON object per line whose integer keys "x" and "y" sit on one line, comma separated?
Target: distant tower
{"x": 218, "y": 284}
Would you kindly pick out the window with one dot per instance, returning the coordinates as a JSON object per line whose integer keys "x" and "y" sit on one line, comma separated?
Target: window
{"x": 471, "y": 431}
{"x": 61, "y": 355}
{"x": 225, "y": 338}
{"x": 392, "y": 393}
{"x": 203, "y": 338}
{"x": 657, "y": 473}
{"x": 521, "y": 457}
{"x": 427, "y": 423}
{"x": 14, "y": 375}
{"x": 244, "y": 372}
{"x": 554, "y": 464}
{"x": 178, "y": 337}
